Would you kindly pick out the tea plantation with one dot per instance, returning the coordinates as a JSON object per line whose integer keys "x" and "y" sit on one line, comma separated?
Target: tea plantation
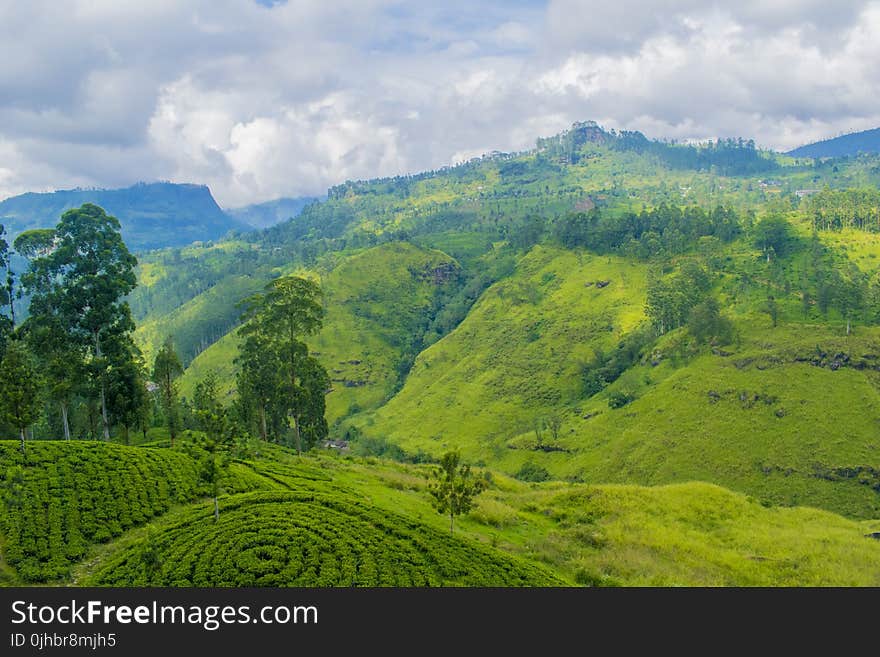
{"x": 64, "y": 496}
{"x": 308, "y": 539}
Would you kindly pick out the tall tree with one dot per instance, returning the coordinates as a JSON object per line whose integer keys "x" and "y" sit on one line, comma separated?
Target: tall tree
{"x": 454, "y": 487}
{"x": 166, "y": 368}
{"x": 83, "y": 279}
{"x": 258, "y": 382}
{"x": 61, "y": 361}
{"x": 19, "y": 388}
{"x": 286, "y": 312}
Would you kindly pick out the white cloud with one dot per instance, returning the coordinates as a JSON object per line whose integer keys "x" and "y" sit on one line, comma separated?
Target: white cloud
{"x": 260, "y": 102}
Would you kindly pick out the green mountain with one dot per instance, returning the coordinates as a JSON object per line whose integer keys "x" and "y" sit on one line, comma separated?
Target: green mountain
{"x": 153, "y": 215}
{"x": 664, "y": 360}
{"x": 866, "y": 141}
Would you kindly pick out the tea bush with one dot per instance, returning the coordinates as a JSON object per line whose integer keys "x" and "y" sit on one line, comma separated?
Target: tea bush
{"x": 308, "y": 539}
{"x": 64, "y": 496}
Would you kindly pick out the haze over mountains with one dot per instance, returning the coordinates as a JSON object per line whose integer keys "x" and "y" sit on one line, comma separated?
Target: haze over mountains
{"x": 152, "y": 215}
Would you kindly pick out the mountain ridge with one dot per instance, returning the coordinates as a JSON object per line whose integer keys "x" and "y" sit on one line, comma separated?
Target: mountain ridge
{"x": 145, "y": 212}
{"x": 864, "y": 141}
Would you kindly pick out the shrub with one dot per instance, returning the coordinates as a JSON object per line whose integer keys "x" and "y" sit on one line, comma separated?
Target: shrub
{"x": 619, "y": 399}
{"x": 531, "y": 471}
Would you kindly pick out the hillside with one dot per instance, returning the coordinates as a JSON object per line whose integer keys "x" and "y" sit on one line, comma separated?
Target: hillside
{"x": 514, "y": 359}
{"x": 325, "y": 520}
{"x": 664, "y": 359}
{"x": 866, "y": 141}
{"x": 153, "y": 215}
{"x": 378, "y": 301}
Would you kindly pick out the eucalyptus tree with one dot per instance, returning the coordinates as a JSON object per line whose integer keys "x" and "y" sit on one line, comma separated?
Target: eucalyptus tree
{"x": 278, "y": 320}
{"x": 7, "y": 322}
{"x": 79, "y": 279}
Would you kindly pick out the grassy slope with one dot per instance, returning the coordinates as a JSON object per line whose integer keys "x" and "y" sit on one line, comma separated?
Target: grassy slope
{"x": 189, "y": 323}
{"x": 515, "y": 356}
{"x": 690, "y": 534}
{"x": 376, "y": 301}
{"x": 757, "y": 421}
{"x": 513, "y": 360}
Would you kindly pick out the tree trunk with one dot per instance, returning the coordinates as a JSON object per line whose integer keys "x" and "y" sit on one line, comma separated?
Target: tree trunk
{"x": 263, "y": 422}
{"x": 216, "y": 510}
{"x": 64, "y": 420}
{"x": 847, "y": 326}
{"x": 297, "y": 436}
{"x": 168, "y": 398}
{"x": 21, "y": 436}
{"x": 451, "y": 522}
{"x": 105, "y": 424}
{"x": 125, "y": 433}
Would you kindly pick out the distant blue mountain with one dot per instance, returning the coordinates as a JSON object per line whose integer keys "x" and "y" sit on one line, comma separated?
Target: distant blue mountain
{"x": 152, "y": 215}
{"x": 867, "y": 141}
{"x": 263, "y": 215}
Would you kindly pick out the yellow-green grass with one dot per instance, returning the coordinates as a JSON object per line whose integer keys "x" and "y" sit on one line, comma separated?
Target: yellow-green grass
{"x": 861, "y": 247}
{"x": 689, "y": 534}
{"x": 515, "y": 356}
{"x": 376, "y": 301}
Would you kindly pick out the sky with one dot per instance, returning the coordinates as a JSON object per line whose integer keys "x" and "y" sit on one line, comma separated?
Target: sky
{"x": 266, "y": 99}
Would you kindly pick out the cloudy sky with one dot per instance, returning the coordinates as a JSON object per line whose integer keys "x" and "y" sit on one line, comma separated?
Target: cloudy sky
{"x": 267, "y": 99}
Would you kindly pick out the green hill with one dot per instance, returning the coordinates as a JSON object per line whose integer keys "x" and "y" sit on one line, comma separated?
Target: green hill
{"x": 771, "y": 415}
{"x": 378, "y": 302}
{"x": 514, "y": 359}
